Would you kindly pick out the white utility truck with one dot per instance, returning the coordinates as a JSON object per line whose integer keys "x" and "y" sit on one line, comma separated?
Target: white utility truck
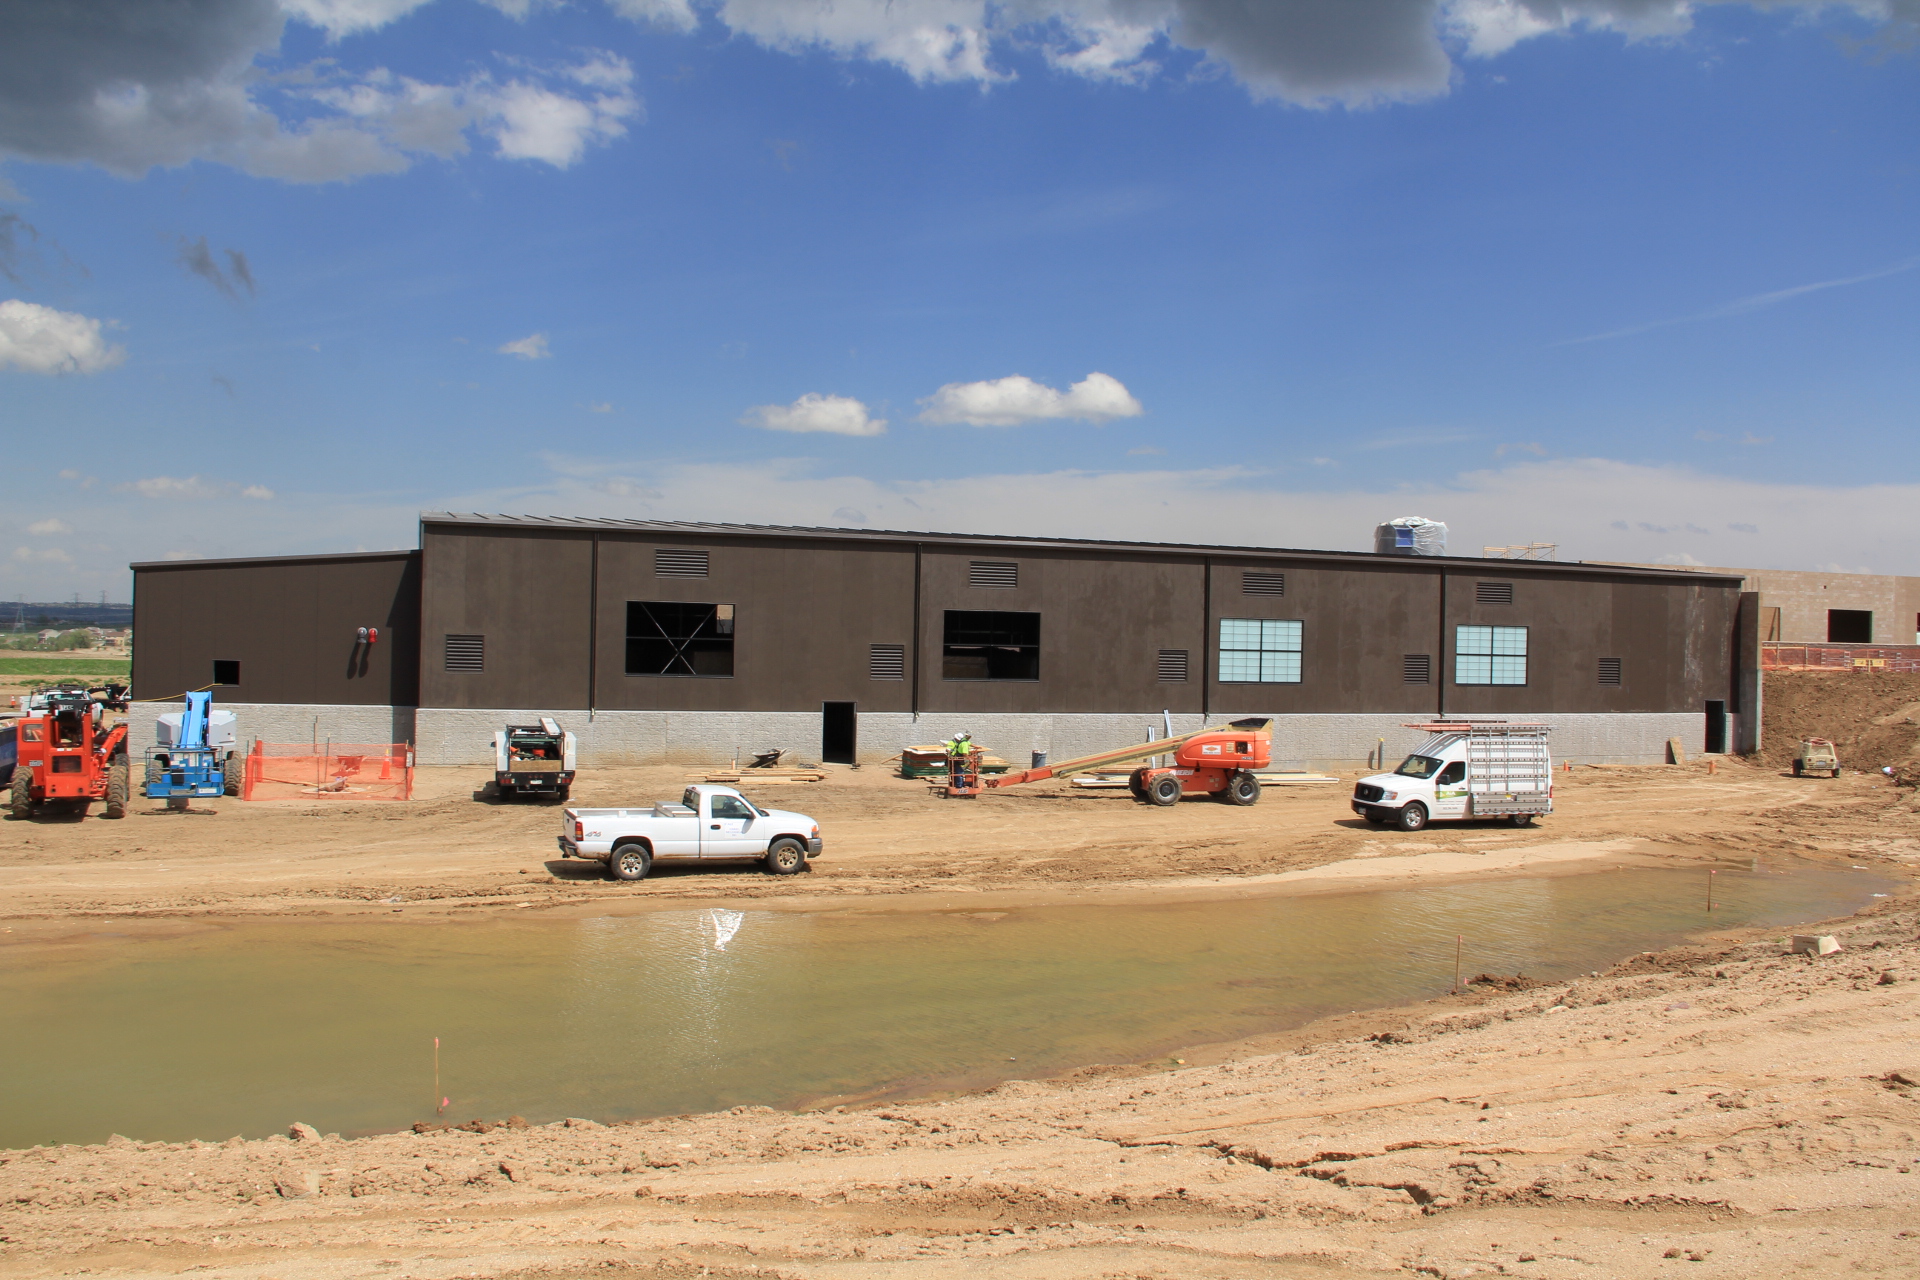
{"x": 710, "y": 824}
{"x": 1466, "y": 769}
{"x": 534, "y": 760}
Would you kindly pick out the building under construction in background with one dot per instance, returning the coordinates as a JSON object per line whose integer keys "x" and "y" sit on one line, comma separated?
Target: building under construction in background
{"x": 656, "y": 641}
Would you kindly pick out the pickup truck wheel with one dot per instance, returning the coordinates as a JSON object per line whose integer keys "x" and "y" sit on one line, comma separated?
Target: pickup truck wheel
{"x": 1798, "y": 768}
{"x": 1520, "y": 819}
{"x": 785, "y": 856}
{"x": 630, "y": 862}
{"x": 1412, "y": 817}
{"x": 1242, "y": 788}
{"x": 1164, "y": 790}
{"x": 1836, "y": 772}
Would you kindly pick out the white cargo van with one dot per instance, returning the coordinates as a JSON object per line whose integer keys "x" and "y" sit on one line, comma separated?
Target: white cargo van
{"x": 1466, "y": 769}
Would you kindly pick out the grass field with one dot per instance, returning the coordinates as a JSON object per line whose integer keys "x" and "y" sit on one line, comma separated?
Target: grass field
{"x": 57, "y": 665}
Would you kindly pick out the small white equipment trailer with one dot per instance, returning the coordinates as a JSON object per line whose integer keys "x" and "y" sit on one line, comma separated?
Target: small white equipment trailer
{"x": 533, "y": 760}
{"x": 1467, "y": 769}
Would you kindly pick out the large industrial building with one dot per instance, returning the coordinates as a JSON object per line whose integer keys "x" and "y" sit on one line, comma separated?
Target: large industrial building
{"x": 661, "y": 641}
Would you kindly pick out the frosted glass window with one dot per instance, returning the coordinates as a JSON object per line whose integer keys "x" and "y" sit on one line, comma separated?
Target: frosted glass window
{"x": 1259, "y": 651}
{"x": 1490, "y": 655}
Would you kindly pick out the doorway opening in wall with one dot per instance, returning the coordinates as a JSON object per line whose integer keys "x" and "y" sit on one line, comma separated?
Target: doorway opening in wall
{"x": 839, "y": 732}
{"x": 1716, "y": 728}
{"x": 1849, "y": 626}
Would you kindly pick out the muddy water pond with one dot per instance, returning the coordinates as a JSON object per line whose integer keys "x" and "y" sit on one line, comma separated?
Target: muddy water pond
{"x": 248, "y": 1027}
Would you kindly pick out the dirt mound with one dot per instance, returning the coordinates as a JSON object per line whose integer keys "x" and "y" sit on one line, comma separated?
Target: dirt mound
{"x": 1873, "y": 718}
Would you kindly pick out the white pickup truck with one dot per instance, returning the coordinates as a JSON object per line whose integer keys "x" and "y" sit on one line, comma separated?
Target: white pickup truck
{"x": 1466, "y": 769}
{"x": 709, "y": 824}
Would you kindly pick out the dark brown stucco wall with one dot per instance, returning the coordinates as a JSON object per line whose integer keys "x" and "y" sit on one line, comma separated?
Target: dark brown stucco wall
{"x": 1357, "y": 624}
{"x": 290, "y": 623}
{"x": 1104, "y": 619}
{"x": 805, "y": 616}
{"x": 527, "y": 591}
{"x": 1674, "y": 639}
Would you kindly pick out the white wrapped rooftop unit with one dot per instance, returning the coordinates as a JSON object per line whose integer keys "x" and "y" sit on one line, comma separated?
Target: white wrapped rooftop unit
{"x": 1410, "y": 536}
{"x": 220, "y": 729}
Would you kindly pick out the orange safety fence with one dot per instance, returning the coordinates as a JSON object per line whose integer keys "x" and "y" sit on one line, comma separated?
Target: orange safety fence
{"x": 1777, "y": 656}
{"x": 348, "y": 770}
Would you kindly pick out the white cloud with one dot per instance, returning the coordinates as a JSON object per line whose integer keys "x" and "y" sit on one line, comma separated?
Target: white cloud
{"x": 836, "y": 415}
{"x": 531, "y": 347}
{"x": 195, "y": 488}
{"x": 676, "y": 15}
{"x": 48, "y": 555}
{"x": 129, "y": 84}
{"x": 601, "y": 406}
{"x": 37, "y": 339}
{"x": 531, "y": 122}
{"x": 49, "y": 527}
{"x": 1010, "y": 402}
{"x": 1594, "y": 508}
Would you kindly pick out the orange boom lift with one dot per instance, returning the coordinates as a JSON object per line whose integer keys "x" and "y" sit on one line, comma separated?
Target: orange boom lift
{"x": 1219, "y": 762}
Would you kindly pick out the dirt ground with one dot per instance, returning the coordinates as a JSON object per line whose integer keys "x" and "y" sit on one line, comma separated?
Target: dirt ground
{"x": 1714, "y": 1110}
{"x": 450, "y": 853}
{"x": 1718, "y": 1110}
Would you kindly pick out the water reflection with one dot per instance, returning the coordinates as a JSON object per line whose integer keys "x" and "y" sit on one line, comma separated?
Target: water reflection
{"x": 332, "y": 1022}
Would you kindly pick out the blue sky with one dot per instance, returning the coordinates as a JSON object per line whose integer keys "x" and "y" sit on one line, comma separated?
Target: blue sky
{"x": 1632, "y": 276}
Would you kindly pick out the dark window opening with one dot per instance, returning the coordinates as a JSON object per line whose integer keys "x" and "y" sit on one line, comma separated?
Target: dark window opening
{"x": 1172, "y": 666}
{"x": 1416, "y": 668}
{"x": 674, "y": 638}
{"x": 1452, "y": 775}
{"x": 466, "y": 653}
{"x": 993, "y": 575}
{"x": 1610, "y": 669}
{"x": 1260, "y": 582}
{"x": 1493, "y": 593}
{"x": 226, "y": 671}
{"x": 887, "y": 662}
{"x": 1716, "y": 728}
{"x": 838, "y": 732}
{"x": 1850, "y": 626}
{"x": 982, "y": 644}
{"x": 677, "y": 563}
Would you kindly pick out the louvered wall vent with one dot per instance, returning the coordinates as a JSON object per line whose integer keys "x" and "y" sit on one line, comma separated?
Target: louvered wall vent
{"x": 677, "y": 563}
{"x": 993, "y": 575}
{"x": 1262, "y": 582}
{"x": 1173, "y": 666}
{"x": 1493, "y": 592}
{"x": 887, "y": 661}
{"x": 466, "y": 653}
{"x": 1416, "y": 668}
{"x": 1610, "y": 671}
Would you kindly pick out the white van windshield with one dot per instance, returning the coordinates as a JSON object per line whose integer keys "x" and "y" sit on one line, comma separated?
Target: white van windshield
{"x": 1418, "y": 767}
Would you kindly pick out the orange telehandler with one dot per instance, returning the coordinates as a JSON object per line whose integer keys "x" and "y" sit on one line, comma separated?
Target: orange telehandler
{"x": 1219, "y": 762}
{"x": 66, "y": 756}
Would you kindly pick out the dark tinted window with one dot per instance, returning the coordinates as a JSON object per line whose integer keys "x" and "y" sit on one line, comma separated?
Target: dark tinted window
{"x": 981, "y": 644}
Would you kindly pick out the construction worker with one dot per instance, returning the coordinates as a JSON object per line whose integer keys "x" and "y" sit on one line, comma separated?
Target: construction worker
{"x": 959, "y": 749}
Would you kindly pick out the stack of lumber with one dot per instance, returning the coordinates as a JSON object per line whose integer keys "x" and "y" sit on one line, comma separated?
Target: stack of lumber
{"x": 757, "y": 777}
